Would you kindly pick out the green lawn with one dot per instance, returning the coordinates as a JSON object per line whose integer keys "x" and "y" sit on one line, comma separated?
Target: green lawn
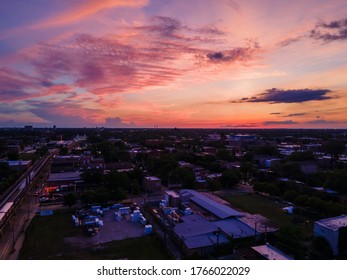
{"x": 45, "y": 240}
{"x": 141, "y": 248}
{"x": 272, "y": 210}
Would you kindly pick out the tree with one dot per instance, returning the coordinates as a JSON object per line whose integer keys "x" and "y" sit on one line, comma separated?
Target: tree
{"x": 115, "y": 180}
{"x": 13, "y": 155}
{"x": 321, "y": 249}
{"x": 185, "y": 176}
{"x": 246, "y": 169}
{"x": 229, "y": 179}
{"x": 337, "y": 180}
{"x": 334, "y": 148}
{"x": 272, "y": 189}
{"x": 213, "y": 185}
{"x": 290, "y": 195}
{"x": 70, "y": 199}
{"x": 64, "y": 151}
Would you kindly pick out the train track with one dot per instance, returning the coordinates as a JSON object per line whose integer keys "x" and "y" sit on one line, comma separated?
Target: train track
{"x": 13, "y": 196}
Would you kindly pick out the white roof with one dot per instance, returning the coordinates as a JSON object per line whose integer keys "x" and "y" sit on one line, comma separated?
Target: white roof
{"x": 271, "y": 253}
{"x": 333, "y": 223}
{"x": 220, "y": 210}
{"x": 152, "y": 178}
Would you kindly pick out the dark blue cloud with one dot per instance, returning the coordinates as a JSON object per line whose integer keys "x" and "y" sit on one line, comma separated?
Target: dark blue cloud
{"x": 118, "y": 123}
{"x": 290, "y": 122}
{"x": 295, "y": 115}
{"x": 321, "y": 121}
{"x": 276, "y": 95}
{"x": 236, "y": 54}
{"x": 331, "y": 31}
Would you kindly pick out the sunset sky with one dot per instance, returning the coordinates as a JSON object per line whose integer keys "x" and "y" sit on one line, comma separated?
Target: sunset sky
{"x": 179, "y": 63}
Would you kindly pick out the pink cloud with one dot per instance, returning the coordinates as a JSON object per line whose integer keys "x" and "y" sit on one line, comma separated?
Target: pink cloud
{"x": 85, "y": 9}
{"x": 15, "y": 85}
{"x": 154, "y": 55}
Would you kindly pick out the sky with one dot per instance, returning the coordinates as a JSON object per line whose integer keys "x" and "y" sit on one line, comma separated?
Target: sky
{"x": 178, "y": 63}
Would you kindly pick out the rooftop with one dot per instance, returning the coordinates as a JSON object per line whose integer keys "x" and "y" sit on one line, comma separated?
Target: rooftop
{"x": 172, "y": 193}
{"x": 16, "y": 162}
{"x": 333, "y": 223}
{"x": 194, "y": 225}
{"x": 219, "y": 210}
{"x": 64, "y": 176}
{"x": 271, "y": 253}
{"x": 152, "y": 178}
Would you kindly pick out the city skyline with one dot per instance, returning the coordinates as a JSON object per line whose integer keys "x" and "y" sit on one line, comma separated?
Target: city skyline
{"x": 145, "y": 63}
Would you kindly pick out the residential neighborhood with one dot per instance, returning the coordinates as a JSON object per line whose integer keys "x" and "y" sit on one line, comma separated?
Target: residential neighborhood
{"x": 191, "y": 193}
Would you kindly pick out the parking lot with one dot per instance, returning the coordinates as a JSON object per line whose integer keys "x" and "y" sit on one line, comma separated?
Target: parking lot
{"x": 111, "y": 230}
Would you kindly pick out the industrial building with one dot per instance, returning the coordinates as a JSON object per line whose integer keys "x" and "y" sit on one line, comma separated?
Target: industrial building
{"x": 209, "y": 225}
{"x": 334, "y": 230}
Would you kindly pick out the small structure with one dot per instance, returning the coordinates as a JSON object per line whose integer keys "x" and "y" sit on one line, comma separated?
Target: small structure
{"x": 172, "y": 198}
{"x": 152, "y": 184}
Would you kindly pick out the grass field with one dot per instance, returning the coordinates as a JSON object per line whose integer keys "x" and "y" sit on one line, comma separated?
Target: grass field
{"x": 45, "y": 240}
{"x": 272, "y": 210}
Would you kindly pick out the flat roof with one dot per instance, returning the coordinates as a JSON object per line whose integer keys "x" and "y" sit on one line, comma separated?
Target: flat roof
{"x": 333, "y": 223}
{"x": 271, "y": 253}
{"x": 172, "y": 193}
{"x": 16, "y": 162}
{"x": 64, "y": 176}
{"x": 205, "y": 240}
{"x": 152, "y": 178}
{"x": 234, "y": 227}
{"x": 194, "y": 225}
{"x": 218, "y": 209}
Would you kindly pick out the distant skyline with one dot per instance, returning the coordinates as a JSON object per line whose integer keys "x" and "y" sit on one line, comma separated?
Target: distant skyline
{"x": 198, "y": 63}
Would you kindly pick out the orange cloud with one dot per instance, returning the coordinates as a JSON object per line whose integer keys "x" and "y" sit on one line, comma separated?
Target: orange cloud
{"x": 87, "y": 8}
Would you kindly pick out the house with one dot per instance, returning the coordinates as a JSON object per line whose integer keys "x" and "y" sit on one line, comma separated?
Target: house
{"x": 120, "y": 166}
{"x": 334, "y": 230}
{"x": 213, "y": 137}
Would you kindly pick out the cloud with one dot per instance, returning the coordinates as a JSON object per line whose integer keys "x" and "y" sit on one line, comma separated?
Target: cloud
{"x": 166, "y": 50}
{"x": 118, "y": 123}
{"x": 290, "y": 41}
{"x": 233, "y": 4}
{"x": 95, "y": 67}
{"x": 85, "y": 9}
{"x": 295, "y": 115}
{"x": 332, "y": 31}
{"x": 12, "y": 123}
{"x": 15, "y": 85}
{"x": 246, "y": 125}
{"x": 173, "y": 28}
{"x": 275, "y": 113}
{"x": 240, "y": 54}
{"x": 66, "y": 112}
{"x": 322, "y": 121}
{"x": 275, "y": 95}
{"x": 290, "y": 122}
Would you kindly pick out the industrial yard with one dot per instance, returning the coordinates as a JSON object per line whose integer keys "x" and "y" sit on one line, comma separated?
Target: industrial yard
{"x": 57, "y": 237}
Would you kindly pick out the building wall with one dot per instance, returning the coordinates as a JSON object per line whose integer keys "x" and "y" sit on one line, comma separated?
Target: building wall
{"x": 331, "y": 236}
{"x": 152, "y": 185}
